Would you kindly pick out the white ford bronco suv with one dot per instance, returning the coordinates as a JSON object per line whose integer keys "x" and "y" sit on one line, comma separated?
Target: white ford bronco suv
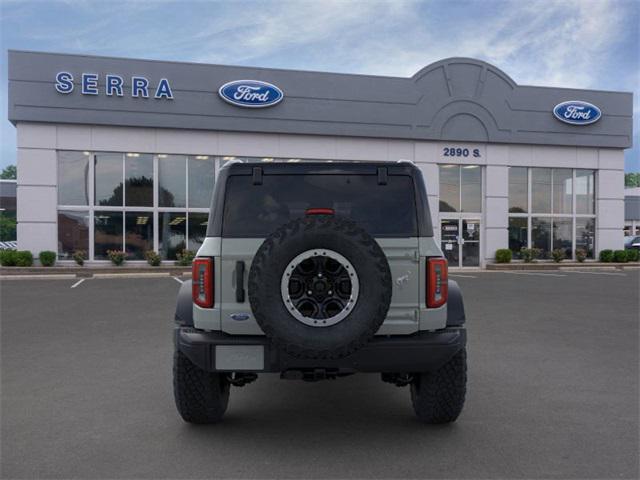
{"x": 316, "y": 271}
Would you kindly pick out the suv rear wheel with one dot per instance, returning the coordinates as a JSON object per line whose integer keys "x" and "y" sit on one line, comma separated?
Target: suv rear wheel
{"x": 201, "y": 397}
{"x": 438, "y": 397}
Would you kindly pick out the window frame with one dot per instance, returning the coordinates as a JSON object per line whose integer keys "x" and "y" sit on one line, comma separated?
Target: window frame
{"x": 155, "y": 209}
{"x": 459, "y": 167}
{"x": 573, "y": 215}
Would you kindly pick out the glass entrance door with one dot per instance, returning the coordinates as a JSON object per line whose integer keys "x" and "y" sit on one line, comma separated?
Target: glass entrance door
{"x": 449, "y": 236}
{"x": 460, "y": 241}
{"x": 470, "y": 243}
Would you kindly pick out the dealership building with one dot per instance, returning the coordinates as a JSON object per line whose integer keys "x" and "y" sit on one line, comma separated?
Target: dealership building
{"x": 117, "y": 153}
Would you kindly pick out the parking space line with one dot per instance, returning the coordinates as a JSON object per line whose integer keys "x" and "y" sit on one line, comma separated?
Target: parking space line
{"x": 463, "y": 276}
{"x": 538, "y": 274}
{"x": 78, "y": 283}
{"x": 178, "y": 280}
{"x": 599, "y": 273}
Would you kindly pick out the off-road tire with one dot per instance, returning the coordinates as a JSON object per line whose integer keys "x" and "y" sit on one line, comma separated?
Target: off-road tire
{"x": 345, "y": 237}
{"x": 438, "y": 397}
{"x": 201, "y": 397}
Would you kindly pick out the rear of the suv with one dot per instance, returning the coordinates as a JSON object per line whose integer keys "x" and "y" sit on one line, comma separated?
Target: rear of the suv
{"x": 319, "y": 270}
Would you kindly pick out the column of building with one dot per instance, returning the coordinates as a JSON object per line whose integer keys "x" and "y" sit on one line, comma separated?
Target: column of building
{"x": 37, "y": 188}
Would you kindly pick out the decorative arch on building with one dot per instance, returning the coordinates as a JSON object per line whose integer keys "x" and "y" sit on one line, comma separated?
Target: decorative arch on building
{"x": 454, "y": 66}
{"x": 465, "y": 119}
{"x": 462, "y": 99}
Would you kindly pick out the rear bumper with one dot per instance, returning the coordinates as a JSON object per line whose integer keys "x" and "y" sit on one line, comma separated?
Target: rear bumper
{"x": 420, "y": 352}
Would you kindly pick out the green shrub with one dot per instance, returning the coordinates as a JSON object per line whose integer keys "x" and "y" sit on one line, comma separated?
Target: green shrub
{"x": 80, "y": 256}
{"x": 558, "y": 255}
{"x": 530, "y": 254}
{"x": 620, "y": 256}
{"x": 47, "y": 258}
{"x": 8, "y": 258}
{"x": 153, "y": 258}
{"x": 606, "y": 256}
{"x": 503, "y": 255}
{"x": 24, "y": 258}
{"x": 526, "y": 254}
{"x": 185, "y": 257}
{"x": 581, "y": 254}
{"x": 633, "y": 255}
{"x": 117, "y": 257}
{"x": 16, "y": 258}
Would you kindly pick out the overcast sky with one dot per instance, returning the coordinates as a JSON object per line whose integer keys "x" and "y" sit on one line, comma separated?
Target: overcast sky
{"x": 566, "y": 43}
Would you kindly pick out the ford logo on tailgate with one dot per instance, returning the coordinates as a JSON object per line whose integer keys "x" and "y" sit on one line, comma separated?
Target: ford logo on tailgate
{"x": 251, "y": 93}
{"x": 577, "y": 112}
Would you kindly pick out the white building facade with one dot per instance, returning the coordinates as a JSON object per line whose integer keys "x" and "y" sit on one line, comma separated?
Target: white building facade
{"x": 111, "y": 170}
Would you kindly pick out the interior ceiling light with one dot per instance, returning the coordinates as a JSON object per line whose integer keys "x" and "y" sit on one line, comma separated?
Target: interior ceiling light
{"x": 202, "y": 157}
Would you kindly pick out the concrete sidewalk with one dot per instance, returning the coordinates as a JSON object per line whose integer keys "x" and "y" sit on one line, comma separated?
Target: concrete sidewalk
{"x": 562, "y": 265}
{"x": 93, "y": 271}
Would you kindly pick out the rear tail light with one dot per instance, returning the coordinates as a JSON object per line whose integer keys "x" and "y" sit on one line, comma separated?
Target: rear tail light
{"x": 437, "y": 282}
{"x": 319, "y": 211}
{"x": 202, "y": 282}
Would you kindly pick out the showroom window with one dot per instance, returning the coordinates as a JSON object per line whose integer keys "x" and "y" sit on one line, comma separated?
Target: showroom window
{"x": 73, "y": 178}
{"x": 133, "y": 202}
{"x": 460, "y": 188}
{"x": 551, "y": 208}
{"x": 73, "y": 232}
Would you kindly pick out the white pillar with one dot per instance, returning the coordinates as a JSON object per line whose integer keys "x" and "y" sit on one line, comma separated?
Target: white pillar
{"x": 496, "y": 210}
{"x": 37, "y": 188}
{"x": 610, "y": 200}
{"x": 425, "y": 158}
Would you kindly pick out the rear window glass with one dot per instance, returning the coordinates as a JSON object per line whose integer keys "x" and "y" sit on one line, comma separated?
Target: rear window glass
{"x": 257, "y": 210}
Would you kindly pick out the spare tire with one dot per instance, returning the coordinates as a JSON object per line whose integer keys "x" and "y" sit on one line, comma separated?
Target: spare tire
{"x": 320, "y": 287}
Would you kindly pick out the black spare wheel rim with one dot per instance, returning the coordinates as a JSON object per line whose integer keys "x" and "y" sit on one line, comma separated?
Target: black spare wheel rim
{"x": 320, "y": 287}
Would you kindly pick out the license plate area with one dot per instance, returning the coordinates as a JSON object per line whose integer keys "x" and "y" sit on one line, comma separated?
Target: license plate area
{"x": 239, "y": 357}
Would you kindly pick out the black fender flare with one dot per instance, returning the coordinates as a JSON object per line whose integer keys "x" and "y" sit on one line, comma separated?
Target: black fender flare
{"x": 455, "y": 305}
{"x": 184, "y": 305}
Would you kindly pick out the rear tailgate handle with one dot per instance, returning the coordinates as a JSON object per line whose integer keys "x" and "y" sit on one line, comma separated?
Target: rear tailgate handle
{"x": 240, "y": 281}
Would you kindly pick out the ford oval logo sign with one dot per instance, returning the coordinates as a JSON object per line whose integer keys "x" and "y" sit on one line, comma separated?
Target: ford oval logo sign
{"x": 251, "y": 93}
{"x": 577, "y": 112}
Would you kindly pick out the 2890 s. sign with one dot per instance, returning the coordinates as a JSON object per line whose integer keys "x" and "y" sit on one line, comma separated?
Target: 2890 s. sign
{"x": 577, "y": 112}
{"x": 250, "y": 93}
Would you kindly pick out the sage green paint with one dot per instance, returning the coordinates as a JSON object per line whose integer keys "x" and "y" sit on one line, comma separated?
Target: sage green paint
{"x": 407, "y": 262}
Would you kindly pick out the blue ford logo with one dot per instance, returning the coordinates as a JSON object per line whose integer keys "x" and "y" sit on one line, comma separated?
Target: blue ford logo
{"x": 250, "y": 93}
{"x": 577, "y": 112}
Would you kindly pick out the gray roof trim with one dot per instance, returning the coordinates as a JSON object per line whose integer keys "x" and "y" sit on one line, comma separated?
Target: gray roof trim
{"x": 455, "y": 99}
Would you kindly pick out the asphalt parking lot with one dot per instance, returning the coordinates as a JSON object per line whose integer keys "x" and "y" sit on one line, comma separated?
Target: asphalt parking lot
{"x": 552, "y": 393}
